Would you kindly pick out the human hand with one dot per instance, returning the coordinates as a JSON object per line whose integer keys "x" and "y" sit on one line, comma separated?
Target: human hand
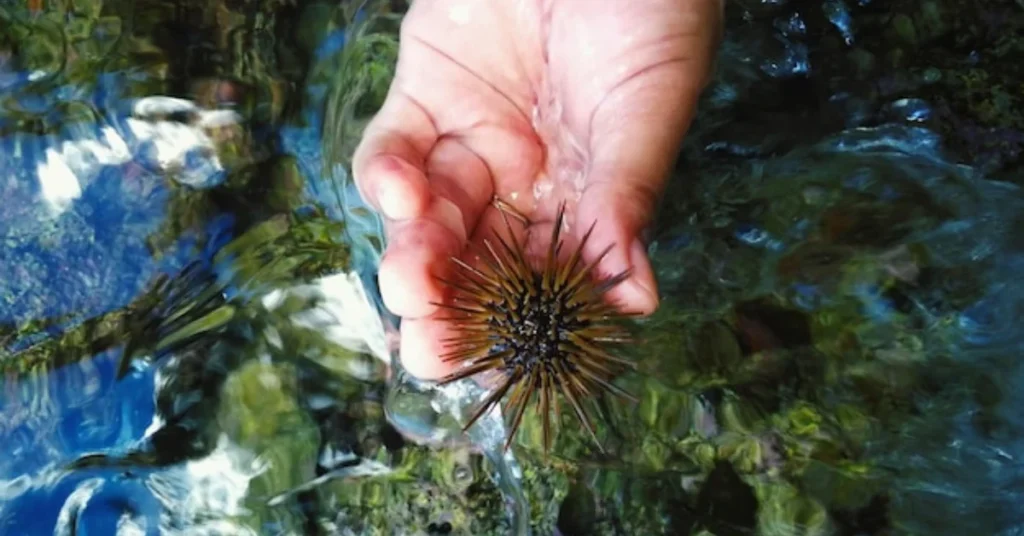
{"x": 533, "y": 102}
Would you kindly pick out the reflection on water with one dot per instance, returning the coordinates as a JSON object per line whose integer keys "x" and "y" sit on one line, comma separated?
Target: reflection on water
{"x": 192, "y": 341}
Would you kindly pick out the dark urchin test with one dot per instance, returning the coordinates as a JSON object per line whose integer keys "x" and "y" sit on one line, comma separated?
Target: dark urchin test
{"x": 549, "y": 330}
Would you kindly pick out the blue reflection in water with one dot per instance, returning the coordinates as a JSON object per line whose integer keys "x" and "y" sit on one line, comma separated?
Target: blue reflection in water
{"x": 975, "y": 321}
{"x": 751, "y": 235}
{"x": 108, "y": 415}
{"x": 81, "y": 409}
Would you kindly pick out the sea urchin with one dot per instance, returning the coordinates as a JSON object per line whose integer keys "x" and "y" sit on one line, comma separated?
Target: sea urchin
{"x": 548, "y": 329}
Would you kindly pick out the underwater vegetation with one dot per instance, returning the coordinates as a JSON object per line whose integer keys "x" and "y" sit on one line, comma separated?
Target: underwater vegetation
{"x": 827, "y": 65}
{"x": 193, "y": 344}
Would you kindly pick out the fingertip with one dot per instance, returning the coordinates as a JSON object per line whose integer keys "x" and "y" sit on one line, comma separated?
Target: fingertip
{"x": 419, "y": 251}
{"x": 422, "y": 347}
{"x": 399, "y": 189}
{"x": 639, "y": 293}
{"x": 394, "y": 145}
{"x": 407, "y": 285}
{"x": 448, "y": 215}
{"x": 619, "y": 218}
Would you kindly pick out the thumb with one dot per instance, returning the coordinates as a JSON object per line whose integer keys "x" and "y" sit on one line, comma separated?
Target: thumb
{"x": 634, "y": 139}
{"x": 620, "y": 209}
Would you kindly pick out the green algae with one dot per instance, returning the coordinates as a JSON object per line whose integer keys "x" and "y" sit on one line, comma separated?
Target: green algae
{"x": 754, "y": 399}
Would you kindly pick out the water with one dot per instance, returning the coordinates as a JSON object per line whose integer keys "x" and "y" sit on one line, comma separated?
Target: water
{"x": 836, "y": 352}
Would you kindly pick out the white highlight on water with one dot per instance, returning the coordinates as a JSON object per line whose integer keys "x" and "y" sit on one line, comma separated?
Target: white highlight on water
{"x": 71, "y": 165}
{"x": 345, "y": 314}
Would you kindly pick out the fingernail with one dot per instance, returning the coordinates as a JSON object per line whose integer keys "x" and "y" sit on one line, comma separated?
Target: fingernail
{"x": 646, "y": 235}
{"x": 638, "y": 257}
{"x": 389, "y": 200}
{"x": 391, "y": 195}
{"x": 450, "y": 215}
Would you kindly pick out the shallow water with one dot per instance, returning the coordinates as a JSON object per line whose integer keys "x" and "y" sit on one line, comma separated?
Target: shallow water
{"x": 193, "y": 342}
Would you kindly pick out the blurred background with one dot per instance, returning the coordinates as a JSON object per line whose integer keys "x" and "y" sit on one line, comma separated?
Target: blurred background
{"x": 192, "y": 342}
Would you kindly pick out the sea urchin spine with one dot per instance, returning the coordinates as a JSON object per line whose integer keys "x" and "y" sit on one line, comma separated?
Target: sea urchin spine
{"x": 545, "y": 329}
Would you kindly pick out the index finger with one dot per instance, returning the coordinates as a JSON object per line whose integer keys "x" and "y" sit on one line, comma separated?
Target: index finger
{"x": 389, "y": 162}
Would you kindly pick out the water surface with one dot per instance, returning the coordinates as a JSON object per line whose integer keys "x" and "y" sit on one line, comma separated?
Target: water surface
{"x": 192, "y": 340}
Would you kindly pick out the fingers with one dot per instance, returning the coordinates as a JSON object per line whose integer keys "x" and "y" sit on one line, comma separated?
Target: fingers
{"x": 389, "y": 163}
{"x": 394, "y": 187}
{"x": 422, "y": 338}
{"x": 418, "y": 252}
{"x": 634, "y": 137}
{"x": 424, "y": 217}
{"x": 459, "y": 175}
{"x": 420, "y": 247}
{"x": 422, "y": 346}
{"x": 633, "y": 156}
{"x": 619, "y": 212}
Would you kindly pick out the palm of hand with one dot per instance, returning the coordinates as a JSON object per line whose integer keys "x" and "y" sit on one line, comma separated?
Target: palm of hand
{"x": 499, "y": 99}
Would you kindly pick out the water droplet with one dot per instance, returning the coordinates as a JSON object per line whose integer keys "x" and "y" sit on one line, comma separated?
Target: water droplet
{"x": 839, "y": 15}
{"x": 794, "y": 60}
{"x": 978, "y": 322}
{"x": 792, "y": 25}
{"x": 748, "y": 234}
{"x": 911, "y": 109}
{"x": 807, "y": 296}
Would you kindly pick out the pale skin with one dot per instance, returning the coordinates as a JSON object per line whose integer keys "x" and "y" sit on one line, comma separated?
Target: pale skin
{"x": 468, "y": 119}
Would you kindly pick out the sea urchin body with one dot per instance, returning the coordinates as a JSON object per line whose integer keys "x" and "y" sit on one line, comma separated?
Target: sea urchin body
{"x": 548, "y": 329}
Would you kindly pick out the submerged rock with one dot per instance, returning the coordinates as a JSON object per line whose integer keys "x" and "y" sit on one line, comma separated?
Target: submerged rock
{"x": 837, "y": 337}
